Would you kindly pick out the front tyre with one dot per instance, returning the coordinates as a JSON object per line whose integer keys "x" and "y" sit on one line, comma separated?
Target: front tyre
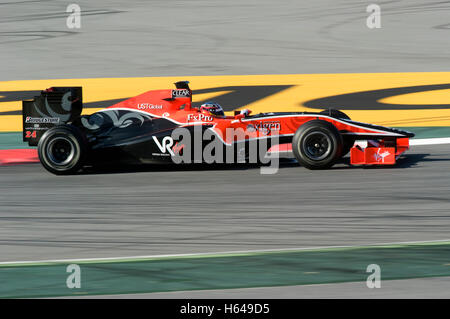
{"x": 335, "y": 114}
{"x": 317, "y": 144}
{"x": 62, "y": 150}
{"x": 348, "y": 140}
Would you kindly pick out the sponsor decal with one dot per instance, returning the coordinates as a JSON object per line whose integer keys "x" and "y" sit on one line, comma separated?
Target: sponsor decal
{"x": 379, "y": 157}
{"x": 264, "y": 127}
{"x": 117, "y": 118}
{"x": 66, "y": 105}
{"x": 30, "y": 134}
{"x": 166, "y": 114}
{"x": 177, "y": 148}
{"x": 180, "y": 93}
{"x": 199, "y": 118}
{"x": 149, "y": 106}
{"x": 165, "y": 146}
{"x": 36, "y": 128}
{"x": 42, "y": 120}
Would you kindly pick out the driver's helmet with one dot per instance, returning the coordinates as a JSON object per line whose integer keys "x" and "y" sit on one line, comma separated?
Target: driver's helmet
{"x": 212, "y": 108}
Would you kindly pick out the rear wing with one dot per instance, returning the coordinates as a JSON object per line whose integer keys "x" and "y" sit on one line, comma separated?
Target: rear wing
{"x": 54, "y": 106}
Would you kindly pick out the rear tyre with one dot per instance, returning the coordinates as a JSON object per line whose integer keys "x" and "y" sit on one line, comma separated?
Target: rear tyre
{"x": 317, "y": 144}
{"x": 62, "y": 150}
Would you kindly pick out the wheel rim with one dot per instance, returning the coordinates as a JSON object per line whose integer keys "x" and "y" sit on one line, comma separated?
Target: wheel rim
{"x": 61, "y": 151}
{"x": 317, "y": 145}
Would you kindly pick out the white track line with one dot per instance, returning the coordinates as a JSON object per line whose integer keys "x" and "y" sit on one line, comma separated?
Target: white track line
{"x": 430, "y": 141}
{"x": 418, "y": 142}
{"x": 212, "y": 254}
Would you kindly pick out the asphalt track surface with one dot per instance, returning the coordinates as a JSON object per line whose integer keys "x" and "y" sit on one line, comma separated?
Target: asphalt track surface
{"x": 430, "y": 288}
{"x": 182, "y": 211}
{"x": 204, "y": 37}
{"x": 177, "y": 210}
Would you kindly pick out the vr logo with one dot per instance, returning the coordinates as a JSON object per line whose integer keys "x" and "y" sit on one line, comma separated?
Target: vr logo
{"x": 166, "y": 145}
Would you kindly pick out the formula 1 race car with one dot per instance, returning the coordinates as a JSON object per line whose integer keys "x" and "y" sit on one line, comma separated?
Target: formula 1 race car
{"x": 141, "y": 130}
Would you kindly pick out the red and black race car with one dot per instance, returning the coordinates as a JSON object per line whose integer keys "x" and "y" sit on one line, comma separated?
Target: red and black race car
{"x": 143, "y": 129}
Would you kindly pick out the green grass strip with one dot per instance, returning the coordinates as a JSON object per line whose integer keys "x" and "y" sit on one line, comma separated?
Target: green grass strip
{"x": 226, "y": 271}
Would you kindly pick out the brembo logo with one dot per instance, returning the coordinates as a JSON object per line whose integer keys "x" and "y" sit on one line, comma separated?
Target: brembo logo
{"x": 166, "y": 145}
{"x": 199, "y": 118}
{"x": 264, "y": 127}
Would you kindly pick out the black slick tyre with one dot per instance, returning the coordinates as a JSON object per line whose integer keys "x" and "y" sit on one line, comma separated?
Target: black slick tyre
{"x": 348, "y": 140}
{"x": 317, "y": 144}
{"x": 62, "y": 150}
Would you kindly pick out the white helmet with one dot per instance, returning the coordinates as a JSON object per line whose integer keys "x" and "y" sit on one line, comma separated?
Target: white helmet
{"x": 212, "y": 108}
